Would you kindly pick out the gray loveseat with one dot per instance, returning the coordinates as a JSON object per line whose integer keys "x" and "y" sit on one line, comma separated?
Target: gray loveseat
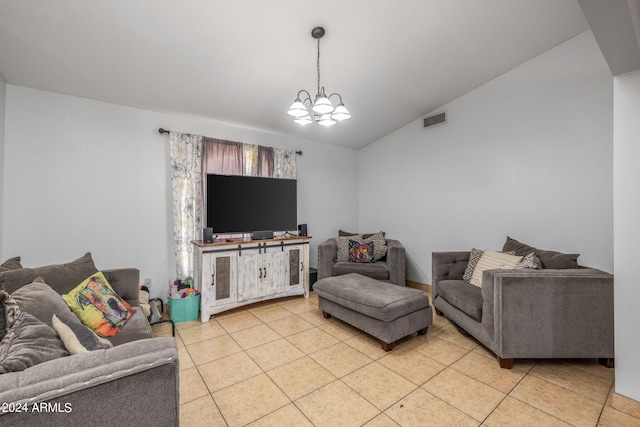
{"x": 134, "y": 383}
{"x": 391, "y": 268}
{"x": 546, "y": 313}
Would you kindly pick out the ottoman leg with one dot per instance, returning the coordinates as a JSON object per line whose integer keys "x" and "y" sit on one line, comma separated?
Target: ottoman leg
{"x": 326, "y": 315}
{"x": 387, "y": 346}
{"x": 423, "y": 331}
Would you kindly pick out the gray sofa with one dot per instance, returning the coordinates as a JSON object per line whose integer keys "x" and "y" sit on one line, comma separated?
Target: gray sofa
{"x": 390, "y": 269}
{"x": 134, "y": 383}
{"x": 546, "y": 313}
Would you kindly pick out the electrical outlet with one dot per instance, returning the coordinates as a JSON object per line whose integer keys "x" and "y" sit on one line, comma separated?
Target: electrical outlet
{"x": 147, "y": 282}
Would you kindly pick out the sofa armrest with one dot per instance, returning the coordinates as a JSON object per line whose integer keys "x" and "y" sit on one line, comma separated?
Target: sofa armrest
{"x": 137, "y": 381}
{"x": 396, "y": 261}
{"x": 327, "y": 254}
{"x": 447, "y": 266}
{"x": 126, "y": 283}
{"x": 551, "y": 313}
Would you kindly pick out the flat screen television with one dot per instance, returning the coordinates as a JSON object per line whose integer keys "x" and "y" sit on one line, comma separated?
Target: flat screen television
{"x": 244, "y": 204}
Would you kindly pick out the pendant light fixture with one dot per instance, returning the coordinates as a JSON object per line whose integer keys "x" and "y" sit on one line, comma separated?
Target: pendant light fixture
{"x": 320, "y": 110}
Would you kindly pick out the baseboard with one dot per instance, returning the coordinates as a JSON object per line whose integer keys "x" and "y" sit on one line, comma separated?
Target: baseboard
{"x": 418, "y": 285}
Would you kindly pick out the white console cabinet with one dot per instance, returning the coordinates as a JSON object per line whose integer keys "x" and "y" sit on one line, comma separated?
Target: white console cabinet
{"x": 233, "y": 274}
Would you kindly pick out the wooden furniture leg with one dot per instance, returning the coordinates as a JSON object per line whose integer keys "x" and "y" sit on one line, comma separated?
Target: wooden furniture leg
{"x": 607, "y": 362}
{"x": 505, "y": 363}
{"x": 387, "y": 346}
{"x": 438, "y": 312}
{"x": 326, "y": 315}
{"x": 423, "y": 331}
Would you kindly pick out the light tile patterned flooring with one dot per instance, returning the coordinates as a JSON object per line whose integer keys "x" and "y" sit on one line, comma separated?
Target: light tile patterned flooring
{"x": 280, "y": 363}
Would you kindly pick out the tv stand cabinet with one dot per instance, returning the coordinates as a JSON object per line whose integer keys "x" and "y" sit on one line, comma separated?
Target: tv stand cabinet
{"x": 233, "y": 274}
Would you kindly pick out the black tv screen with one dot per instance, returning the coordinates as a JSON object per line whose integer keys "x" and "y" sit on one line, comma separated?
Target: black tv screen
{"x": 243, "y": 204}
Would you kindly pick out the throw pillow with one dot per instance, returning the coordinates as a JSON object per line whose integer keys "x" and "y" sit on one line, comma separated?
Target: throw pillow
{"x": 343, "y": 246}
{"x": 548, "y": 259}
{"x": 361, "y": 252}
{"x": 62, "y": 277}
{"x": 9, "y": 312}
{"x": 529, "y": 261}
{"x": 493, "y": 260}
{"x": 27, "y": 343}
{"x": 379, "y": 244}
{"x": 11, "y": 264}
{"x": 98, "y": 306}
{"x": 77, "y": 338}
{"x": 40, "y": 301}
{"x": 342, "y": 233}
{"x": 473, "y": 260}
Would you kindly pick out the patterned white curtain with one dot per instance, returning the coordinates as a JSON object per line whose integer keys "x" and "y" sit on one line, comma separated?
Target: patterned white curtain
{"x": 186, "y": 183}
{"x": 284, "y": 164}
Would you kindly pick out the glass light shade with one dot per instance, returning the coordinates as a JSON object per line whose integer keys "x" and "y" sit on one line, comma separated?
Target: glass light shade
{"x": 297, "y": 109}
{"x": 340, "y": 113}
{"x": 304, "y": 120}
{"x": 326, "y": 120}
{"x": 322, "y": 105}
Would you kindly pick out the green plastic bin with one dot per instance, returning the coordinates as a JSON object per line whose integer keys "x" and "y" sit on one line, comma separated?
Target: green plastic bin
{"x": 184, "y": 309}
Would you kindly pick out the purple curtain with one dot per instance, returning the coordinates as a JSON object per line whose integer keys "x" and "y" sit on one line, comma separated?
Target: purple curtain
{"x": 221, "y": 157}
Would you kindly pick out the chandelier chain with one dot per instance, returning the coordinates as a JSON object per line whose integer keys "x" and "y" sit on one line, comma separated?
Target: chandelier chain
{"x": 318, "y": 66}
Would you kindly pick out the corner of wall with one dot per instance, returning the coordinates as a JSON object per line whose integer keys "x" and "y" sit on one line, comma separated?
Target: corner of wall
{"x": 3, "y": 103}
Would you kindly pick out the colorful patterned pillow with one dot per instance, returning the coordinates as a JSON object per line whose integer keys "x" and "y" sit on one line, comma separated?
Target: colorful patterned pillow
{"x": 98, "y": 306}
{"x": 361, "y": 252}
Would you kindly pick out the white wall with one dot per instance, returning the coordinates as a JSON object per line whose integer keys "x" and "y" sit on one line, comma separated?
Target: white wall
{"x": 529, "y": 155}
{"x": 3, "y": 96}
{"x": 83, "y": 175}
{"x": 627, "y": 232}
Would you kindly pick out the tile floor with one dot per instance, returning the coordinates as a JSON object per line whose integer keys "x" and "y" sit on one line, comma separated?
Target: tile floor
{"x": 280, "y": 363}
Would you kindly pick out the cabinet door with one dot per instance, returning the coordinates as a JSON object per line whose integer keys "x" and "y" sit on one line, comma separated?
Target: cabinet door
{"x": 223, "y": 267}
{"x": 274, "y": 271}
{"x": 251, "y": 273}
{"x": 295, "y": 267}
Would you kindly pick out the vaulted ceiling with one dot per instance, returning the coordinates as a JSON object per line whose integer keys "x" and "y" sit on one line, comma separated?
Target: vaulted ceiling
{"x": 242, "y": 62}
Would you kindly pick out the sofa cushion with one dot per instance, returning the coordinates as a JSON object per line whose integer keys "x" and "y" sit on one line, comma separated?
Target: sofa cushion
{"x": 361, "y": 252}
{"x": 11, "y": 264}
{"x": 382, "y": 301}
{"x": 27, "y": 343}
{"x": 136, "y": 328}
{"x": 77, "y": 338}
{"x": 62, "y": 278}
{"x": 40, "y": 301}
{"x": 9, "y": 312}
{"x": 98, "y": 306}
{"x": 548, "y": 259}
{"x": 342, "y": 233}
{"x": 376, "y": 270}
{"x": 491, "y": 260}
{"x": 463, "y": 296}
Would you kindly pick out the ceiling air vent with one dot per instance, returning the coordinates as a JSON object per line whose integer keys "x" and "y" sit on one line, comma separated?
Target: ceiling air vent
{"x": 435, "y": 120}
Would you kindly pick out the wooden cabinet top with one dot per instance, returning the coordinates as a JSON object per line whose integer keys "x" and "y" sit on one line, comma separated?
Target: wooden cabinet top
{"x": 240, "y": 241}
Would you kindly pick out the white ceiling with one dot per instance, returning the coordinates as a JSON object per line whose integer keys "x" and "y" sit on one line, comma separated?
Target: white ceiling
{"x": 243, "y": 61}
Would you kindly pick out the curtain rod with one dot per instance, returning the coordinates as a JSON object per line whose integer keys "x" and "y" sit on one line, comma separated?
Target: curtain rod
{"x": 161, "y": 130}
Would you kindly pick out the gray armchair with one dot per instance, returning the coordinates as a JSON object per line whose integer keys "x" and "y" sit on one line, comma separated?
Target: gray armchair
{"x": 529, "y": 313}
{"x": 390, "y": 269}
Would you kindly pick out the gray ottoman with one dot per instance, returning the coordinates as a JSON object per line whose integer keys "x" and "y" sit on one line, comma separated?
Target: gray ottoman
{"x": 385, "y": 311}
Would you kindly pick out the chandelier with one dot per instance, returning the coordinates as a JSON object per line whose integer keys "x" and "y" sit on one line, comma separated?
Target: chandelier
{"x": 320, "y": 110}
